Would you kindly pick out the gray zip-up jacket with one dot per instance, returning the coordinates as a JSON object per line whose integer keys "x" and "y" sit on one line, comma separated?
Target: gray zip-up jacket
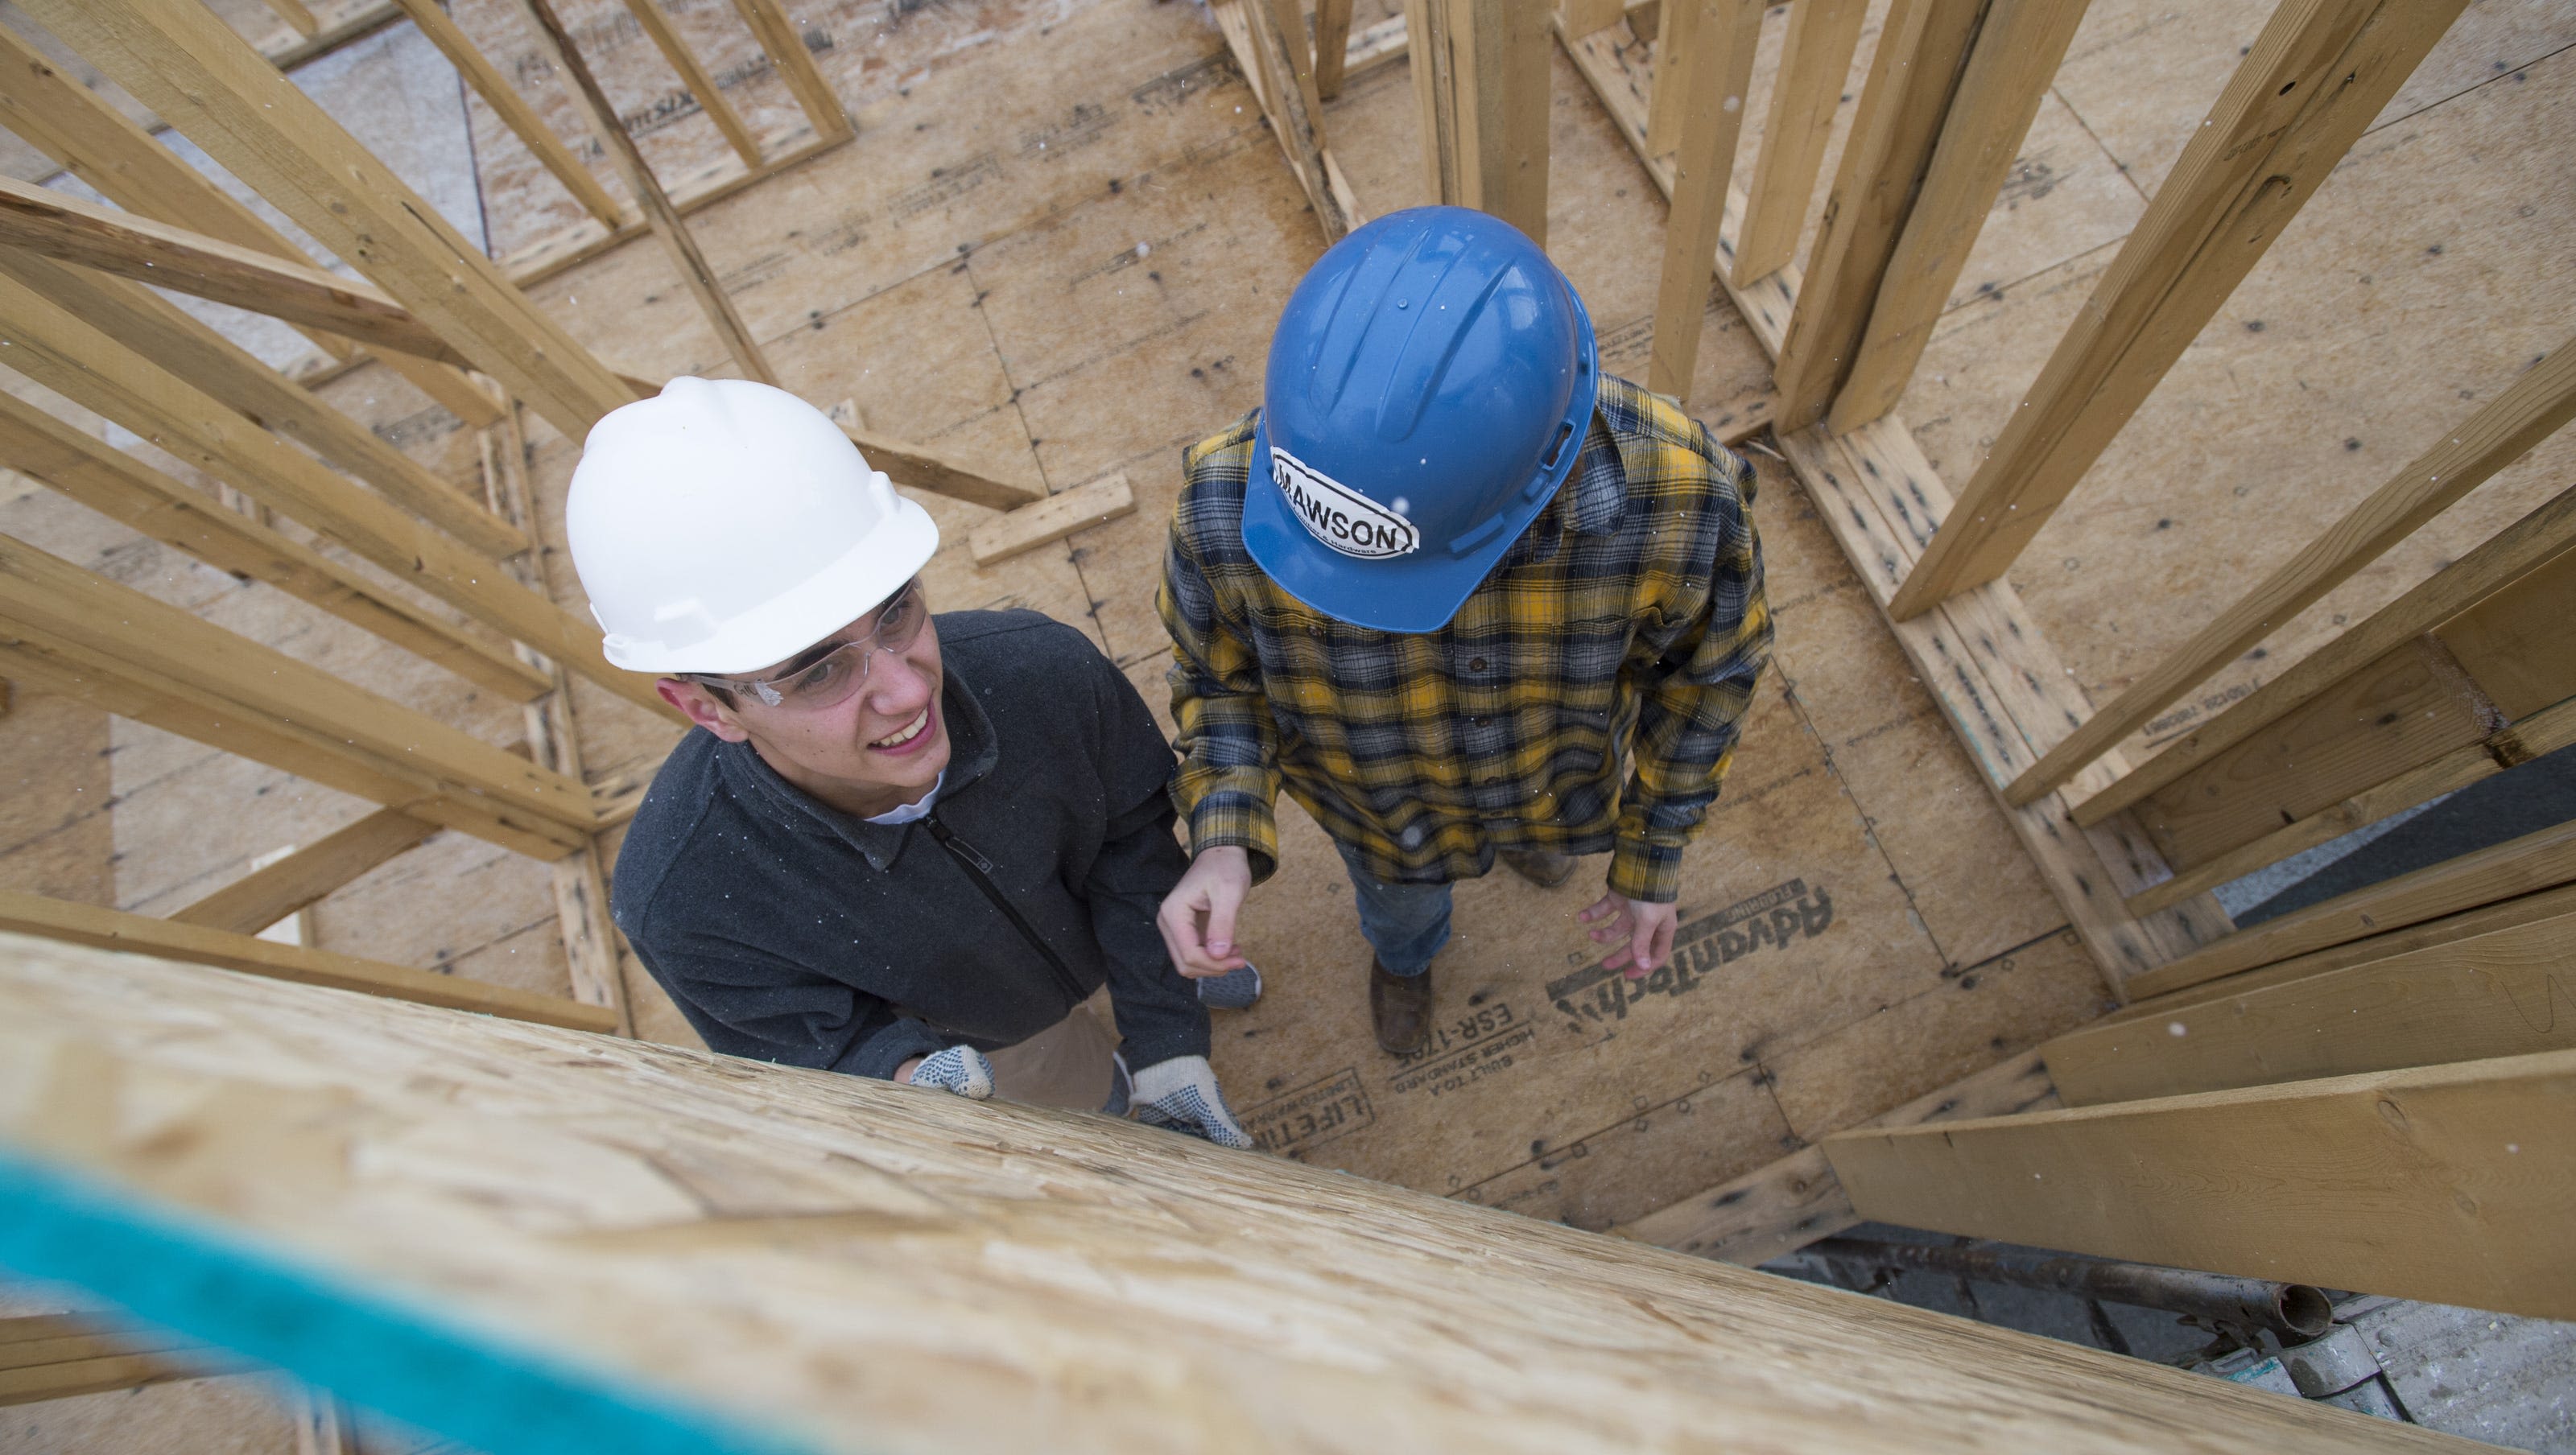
{"x": 790, "y": 931}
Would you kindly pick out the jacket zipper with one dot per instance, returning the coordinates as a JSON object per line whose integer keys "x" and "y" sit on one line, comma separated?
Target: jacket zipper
{"x": 980, "y": 870}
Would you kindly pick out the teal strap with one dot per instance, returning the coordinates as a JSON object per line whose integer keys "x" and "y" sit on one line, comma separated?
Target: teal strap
{"x": 183, "y": 1274}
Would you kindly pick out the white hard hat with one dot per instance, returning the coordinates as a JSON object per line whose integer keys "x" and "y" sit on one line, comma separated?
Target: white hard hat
{"x": 724, "y": 525}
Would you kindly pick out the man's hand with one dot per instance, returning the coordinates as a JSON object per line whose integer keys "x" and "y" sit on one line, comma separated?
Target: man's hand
{"x": 1646, "y": 930}
{"x": 1181, "y": 1095}
{"x": 1197, "y": 918}
{"x": 959, "y": 1070}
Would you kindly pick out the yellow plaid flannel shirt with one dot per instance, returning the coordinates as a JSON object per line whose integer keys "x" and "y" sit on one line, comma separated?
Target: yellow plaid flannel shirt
{"x": 1585, "y": 698}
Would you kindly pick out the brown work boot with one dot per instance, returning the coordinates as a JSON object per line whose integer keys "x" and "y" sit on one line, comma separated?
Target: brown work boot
{"x": 1401, "y": 1006}
{"x": 1543, "y": 867}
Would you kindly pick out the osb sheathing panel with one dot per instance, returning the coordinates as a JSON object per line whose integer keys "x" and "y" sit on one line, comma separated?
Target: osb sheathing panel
{"x": 2431, "y": 269}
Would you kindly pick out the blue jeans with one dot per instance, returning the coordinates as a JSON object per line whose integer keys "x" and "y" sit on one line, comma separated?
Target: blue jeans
{"x": 1406, "y": 924}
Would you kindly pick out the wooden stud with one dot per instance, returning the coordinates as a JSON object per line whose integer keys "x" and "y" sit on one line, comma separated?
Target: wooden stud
{"x": 1332, "y": 46}
{"x": 1052, "y": 519}
{"x": 1282, "y": 77}
{"x": 178, "y": 341}
{"x": 2400, "y": 712}
{"x": 593, "y": 947}
{"x": 53, "y": 601}
{"x": 1785, "y": 1205}
{"x": 180, "y": 60}
{"x": 696, "y": 274}
{"x": 2321, "y": 70}
{"x": 2536, "y": 861}
{"x": 914, "y": 467}
{"x": 309, "y": 875}
{"x": 701, "y": 86}
{"x": 2503, "y": 431}
{"x": 2444, "y": 1183}
{"x": 110, "y": 929}
{"x": 2009, "y": 70}
{"x": 61, "y": 226}
{"x": 515, "y": 111}
{"x": 2515, "y": 644}
{"x": 2469, "y": 1000}
{"x": 1676, "y": 43}
{"x": 60, "y": 351}
{"x": 786, "y": 50}
{"x": 1722, "y": 66}
{"x": 1815, "y": 61}
{"x": 1576, "y": 19}
{"x": 124, "y": 489}
{"x": 2504, "y": 558}
{"x": 1923, "y": 45}
{"x": 565, "y": 1201}
{"x": 1499, "y": 59}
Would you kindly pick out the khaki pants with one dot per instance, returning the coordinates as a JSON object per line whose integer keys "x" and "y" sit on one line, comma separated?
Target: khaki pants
{"x": 1066, "y": 1065}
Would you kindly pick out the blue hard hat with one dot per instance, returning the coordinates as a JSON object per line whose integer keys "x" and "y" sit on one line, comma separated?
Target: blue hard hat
{"x": 1429, "y": 389}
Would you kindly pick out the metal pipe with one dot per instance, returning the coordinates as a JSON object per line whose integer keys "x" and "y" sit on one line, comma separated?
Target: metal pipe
{"x": 2291, "y": 1312}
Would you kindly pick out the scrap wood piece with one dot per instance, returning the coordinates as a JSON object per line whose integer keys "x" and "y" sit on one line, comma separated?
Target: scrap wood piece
{"x": 1052, "y": 519}
{"x": 111, "y": 929}
{"x": 1785, "y": 1205}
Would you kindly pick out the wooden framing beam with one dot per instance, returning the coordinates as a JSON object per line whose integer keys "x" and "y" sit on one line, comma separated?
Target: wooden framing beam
{"x": 2008, "y": 71}
{"x": 2445, "y": 1183}
{"x": 1785, "y": 1205}
{"x": 701, "y": 86}
{"x": 1481, "y": 82}
{"x": 2509, "y": 555}
{"x": 159, "y": 330}
{"x": 2499, "y": 994}
{"x": 555, "y": 1202}
{"x": 1332, "y": 46}
{"x": 309, "y": 875}
{"x": 1815, "y": 61}
{"x": 66, "y": 354}
{"x": 1721, "y": 68}
{"x": 52, "y": 601}
{"x": 1676, "y": 40}
{"x": 1984, "y": 660}
{"x": 2508, "y": 427}
{"x": 696, "y": 274}
{"x": 1282, "y": 76}
{"x": 515, "y": 112}
{"x": 1923, "y": 47}
{"x": 131, "y": 246}
{"x": 179, "y": 59}
{"x": 110, "y": 929}
{"x": 786, "y": 50}
{"x": 124, "y": 489}
{"x": 2318, "y": 74}
{"x": 594, "y": 953}
{"x": 2536, "y": 861}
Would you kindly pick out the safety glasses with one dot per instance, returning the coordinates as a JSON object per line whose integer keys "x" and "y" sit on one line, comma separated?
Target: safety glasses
{"x": 841, "y": 668}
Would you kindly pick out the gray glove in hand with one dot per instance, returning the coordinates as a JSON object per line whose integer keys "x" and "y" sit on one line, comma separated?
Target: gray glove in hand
{"x": 1181, "y": 1095}
{"x": 961, "y": 1070}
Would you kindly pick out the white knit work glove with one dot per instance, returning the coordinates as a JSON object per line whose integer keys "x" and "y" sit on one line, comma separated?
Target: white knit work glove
{"x": 1181, "y": 1095}
{"x": 961, "y": 1070}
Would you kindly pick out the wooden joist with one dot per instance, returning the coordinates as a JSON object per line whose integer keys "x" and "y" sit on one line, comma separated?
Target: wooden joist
{"x": 1783, "y": 1206}
{"x": 696, "y": 274}
{"x": 2541, "y": 860}
{"x": 339, "y": 734}
{"x": 67, "y": 354}
{"x": 2318, "y": 74}
{"x": 701, "y": 86}
{"x": 515, "y": 112}
{"x": 615, "y": 1229}
{"x": 785, "y": 47}
{"x": 110, "y": 929}
{"x": 180, "y": 60}
{"x": 307, "y": 876}
{"x": 2502, "y": 993}
{"x": 124, "y": 489}
{"x": 2506, "y": 429}
{"x": 2445, "y": 1183}
{"x": 176, "y": 340}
